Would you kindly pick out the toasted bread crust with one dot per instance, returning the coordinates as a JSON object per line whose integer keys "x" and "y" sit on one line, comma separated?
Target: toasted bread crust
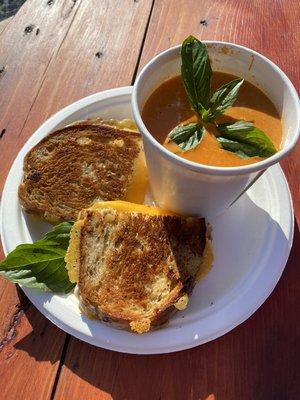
{"x": 133, "y": 268}
{"x": 139, "y": 325}
{"x": 75, "y": 166}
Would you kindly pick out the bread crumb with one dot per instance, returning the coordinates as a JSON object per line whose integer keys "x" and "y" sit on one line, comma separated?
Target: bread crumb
{"x": 109, "y": 217}
{"x": 140, "y": 326}
{"x": 117, "y": 142}
{"x": 83, "y": 141}
{"x": 182, "y": 303}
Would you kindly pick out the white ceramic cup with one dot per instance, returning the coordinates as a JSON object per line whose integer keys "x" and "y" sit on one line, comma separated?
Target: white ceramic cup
{"x": 187, "y": 187}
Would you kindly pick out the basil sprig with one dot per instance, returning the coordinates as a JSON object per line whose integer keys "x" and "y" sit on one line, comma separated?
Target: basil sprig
{"x": 41, "y": 265}
{"x": 187, "y": 137}
{"x": 243, "y": 138}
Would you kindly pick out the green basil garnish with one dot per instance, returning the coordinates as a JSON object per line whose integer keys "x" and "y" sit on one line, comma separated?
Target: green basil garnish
{"x": 243, "y": 150}
{"x": 187, "y": 137}
{"x": 245, "y": 133}
{"x": 41, "y": 265}
{"x": 223, "y": 98}
{"x": 243, "y": 138}
{"x": 196, "y": 73}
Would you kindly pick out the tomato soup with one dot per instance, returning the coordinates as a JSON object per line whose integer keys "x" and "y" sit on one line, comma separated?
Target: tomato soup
{"x": 168, "y": 106}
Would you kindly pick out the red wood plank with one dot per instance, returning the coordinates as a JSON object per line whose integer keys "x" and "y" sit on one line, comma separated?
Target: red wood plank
{"x": 259, "y": 359}
{"x": 27, "y": 46}
{"x": 50, "y": 65}
{"x": 30, "y": 356}
{"x": 24, "y": 58}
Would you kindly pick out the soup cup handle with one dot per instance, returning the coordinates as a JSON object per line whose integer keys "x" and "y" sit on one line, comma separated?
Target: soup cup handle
{"x": 248, "y": 186}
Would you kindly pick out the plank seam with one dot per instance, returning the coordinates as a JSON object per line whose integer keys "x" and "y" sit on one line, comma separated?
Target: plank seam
{"x": 115, "y": 378}
{"x": 60, "y": 365}
{"x": 15, "y": 321}
{"x": 142, "y": 45}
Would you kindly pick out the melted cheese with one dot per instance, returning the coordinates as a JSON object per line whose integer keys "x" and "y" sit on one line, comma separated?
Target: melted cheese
{"x": 125, "y": 206}
{"x": 73, "y": 253}
{"x": 137, "y": 187}
{"x": 138, "y": 184}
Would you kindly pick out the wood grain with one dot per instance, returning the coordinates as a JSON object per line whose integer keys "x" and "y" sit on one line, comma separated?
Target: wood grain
{"x": 259, "y": 359}
{"x": 30, "y": 356}
{"x": 99, "y": 52}
{"x": 25, "y": 55}
{"x": 265, "y": 26}
{"x": 83, "y": 50}
{"x": 45, "y": 71}
{"x": 71, "y": 49}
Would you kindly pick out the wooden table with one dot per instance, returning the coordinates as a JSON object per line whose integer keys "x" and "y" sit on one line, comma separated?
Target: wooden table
{"x": 57, "y": 51}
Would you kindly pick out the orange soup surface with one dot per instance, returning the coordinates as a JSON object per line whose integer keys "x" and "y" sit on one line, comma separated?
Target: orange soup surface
{"x": 168, "y": 106}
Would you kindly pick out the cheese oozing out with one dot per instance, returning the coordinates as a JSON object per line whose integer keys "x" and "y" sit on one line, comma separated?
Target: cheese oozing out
{"x": 125, "y": 206}
{"x": 136, "y": 190}
{"x": 137, "y": 187}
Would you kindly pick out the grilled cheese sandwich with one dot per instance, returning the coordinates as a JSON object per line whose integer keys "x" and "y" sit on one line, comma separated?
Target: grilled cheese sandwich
{"x": 74, "y": 167}
{"x": 135, "y": 264}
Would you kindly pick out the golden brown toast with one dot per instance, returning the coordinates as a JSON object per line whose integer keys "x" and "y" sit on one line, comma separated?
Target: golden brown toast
{"x": 134, "y": 268}
{"x": 75, "y": 166}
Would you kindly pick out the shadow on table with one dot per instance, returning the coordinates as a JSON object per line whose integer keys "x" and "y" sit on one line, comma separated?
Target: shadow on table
{"x": 257, "y": 360}
{"x": 45, "y": 341}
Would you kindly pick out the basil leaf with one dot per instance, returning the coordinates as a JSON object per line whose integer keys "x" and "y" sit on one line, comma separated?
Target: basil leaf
{"x": 196, "y": 73}
{"x": 242, "y": 155}
{"x": 41, "y": 265}
{"x": 60, "y": 234}
{"x": 241, "y": 149}
{"x": 224, "y": 97}
{"x": 246, "y": 133}
{"x": 187, "y": 137}
{"x": 242, "y": 126}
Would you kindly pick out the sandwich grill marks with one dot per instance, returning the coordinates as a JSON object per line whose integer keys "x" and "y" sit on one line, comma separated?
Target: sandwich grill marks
{"x": 132, "y": 268}
{"x": 73, "y": 167}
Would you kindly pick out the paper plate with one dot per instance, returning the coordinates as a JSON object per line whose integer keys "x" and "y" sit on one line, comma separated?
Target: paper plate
{"x": 252, "y": 241}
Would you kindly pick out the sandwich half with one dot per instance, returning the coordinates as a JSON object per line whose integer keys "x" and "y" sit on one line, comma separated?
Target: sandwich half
{"x": 74, "y": 167}
{"x": 135, "y": 265}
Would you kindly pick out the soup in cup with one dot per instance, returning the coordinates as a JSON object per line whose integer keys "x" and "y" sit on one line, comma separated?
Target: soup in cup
{"x": 207, "y": 179}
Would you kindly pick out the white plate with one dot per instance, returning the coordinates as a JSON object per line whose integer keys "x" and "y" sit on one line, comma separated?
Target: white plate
{"x": 252, "y": 241}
